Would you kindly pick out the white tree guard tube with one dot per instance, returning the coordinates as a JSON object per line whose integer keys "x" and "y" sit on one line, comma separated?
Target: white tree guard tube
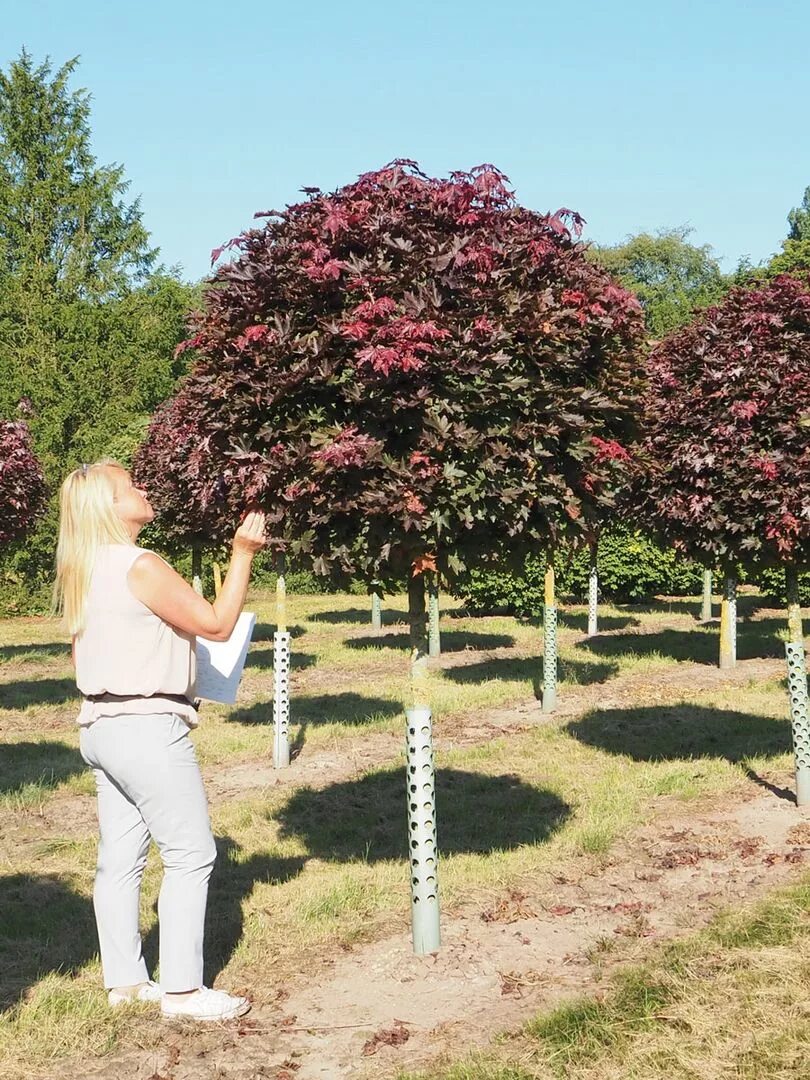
{"x": 593, "y": 598}
{"x": 423, "y": 850}
{"x": 281, "y": 700}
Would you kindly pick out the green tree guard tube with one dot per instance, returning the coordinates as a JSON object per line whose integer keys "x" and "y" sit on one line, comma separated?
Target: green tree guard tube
{"x": 376, "y": 606}
{"x": 434, "y": 634}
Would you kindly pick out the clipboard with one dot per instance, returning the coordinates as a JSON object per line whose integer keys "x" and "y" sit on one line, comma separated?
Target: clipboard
{"x": 220, "y": 663}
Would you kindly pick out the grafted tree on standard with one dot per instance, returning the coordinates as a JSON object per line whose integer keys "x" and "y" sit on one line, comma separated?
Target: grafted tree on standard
{"x": 410, "y": 375}
{"x": 728, "y": 453}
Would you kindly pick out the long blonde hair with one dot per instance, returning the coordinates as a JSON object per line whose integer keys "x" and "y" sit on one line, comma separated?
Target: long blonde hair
{"x": 87, "y": 519}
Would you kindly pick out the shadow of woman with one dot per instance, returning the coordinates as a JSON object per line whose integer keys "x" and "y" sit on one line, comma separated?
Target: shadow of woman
{"x": 46, "y": 926}
{"x": 234, "y": 878}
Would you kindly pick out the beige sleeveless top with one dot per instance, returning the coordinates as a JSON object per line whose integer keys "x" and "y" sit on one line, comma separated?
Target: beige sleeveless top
{"x": 126, "y": 649}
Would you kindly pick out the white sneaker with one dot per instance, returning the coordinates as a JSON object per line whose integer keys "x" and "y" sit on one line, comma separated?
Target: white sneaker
{"x": 149, "y": 991}
{"x": 205, "y": 1004}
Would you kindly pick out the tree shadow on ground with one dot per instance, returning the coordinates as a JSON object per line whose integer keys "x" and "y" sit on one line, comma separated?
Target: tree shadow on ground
{"x": 357, "y": 616}
{"x": 262, "y": 659}
{"x": 46, "y": 764}
{"x": 363, "y": 820}
{"x": 684, "y": 731}
{"x": 45, "y": 927}
{"x": 576, "y": 620}
{"x": 452, "y": 641}
{"x": 747, "y": 605}
{"x": 346, "y": 708}
{"x": 530, "y": 668}
{"x": 263, "y": 631}
{"x": 232, "y": 882}
{"x": 30, "y": 651}
{"x": 21, "y": 693}
{"x": 755, "y": 640}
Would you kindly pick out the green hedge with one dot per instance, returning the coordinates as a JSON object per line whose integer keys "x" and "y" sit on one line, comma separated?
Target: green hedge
{"x": 631, "y": 568}
{"x": 772, "y": 583}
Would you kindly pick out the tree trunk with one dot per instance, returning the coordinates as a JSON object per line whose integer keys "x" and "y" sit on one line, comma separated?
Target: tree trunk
{"x": 421, "y": 784}
{"x": 217, "y": 579}
{"x": 797, "y": 687}
{"x": 550, "y": 641}
{"x": 728, "y": 621}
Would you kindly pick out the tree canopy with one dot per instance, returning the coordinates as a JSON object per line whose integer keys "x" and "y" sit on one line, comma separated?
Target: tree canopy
{"x": 727, "y": 445}
{"x": 406, "y": 370}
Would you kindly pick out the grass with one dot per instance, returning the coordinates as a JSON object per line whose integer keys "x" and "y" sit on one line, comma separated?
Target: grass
{"x": 309, "y": 866}
{"x": 730, "y": 1002}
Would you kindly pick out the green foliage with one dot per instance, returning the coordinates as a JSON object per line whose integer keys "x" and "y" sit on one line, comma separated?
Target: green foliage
{"x": 87, "y": 331}
{"x": 795, "y": 253}
{"x": 799, "y": 219}
{"x": 631, "y": 568}
{"x": 64, "y": 226}
{"x": 670, "y": 276}
{"x": 772, "y": 583}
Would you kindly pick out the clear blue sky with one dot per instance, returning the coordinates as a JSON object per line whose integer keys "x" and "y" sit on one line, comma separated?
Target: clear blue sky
{"x": 637, "y": 113}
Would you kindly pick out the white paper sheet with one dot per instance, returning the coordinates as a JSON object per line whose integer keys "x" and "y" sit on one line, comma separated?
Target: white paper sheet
{"x": 220, "y": 663}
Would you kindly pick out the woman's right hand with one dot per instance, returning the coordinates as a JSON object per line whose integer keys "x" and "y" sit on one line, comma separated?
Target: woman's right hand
{"x": 250, "y": 536}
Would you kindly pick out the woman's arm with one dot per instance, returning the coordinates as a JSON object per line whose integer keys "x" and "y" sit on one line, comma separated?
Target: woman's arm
{"x": 172, "y": 599}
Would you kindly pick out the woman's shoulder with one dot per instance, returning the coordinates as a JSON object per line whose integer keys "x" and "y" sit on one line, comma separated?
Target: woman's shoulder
{"x": 125, "y": 556}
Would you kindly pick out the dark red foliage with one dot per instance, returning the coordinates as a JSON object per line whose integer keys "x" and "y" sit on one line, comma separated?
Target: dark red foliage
{"x": 728, "y": 433}
{"x": 22, "y": 485}
{"x": 403, "y": 367}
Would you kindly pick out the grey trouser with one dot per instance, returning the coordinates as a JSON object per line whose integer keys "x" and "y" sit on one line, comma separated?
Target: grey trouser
{"x": 149, "y": 784}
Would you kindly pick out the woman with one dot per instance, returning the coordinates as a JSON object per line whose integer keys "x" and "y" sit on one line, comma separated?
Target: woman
{"x": 133, "y": 622}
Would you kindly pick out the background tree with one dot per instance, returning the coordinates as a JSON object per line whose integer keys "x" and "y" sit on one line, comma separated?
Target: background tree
{"x": 795, "y": 253}
{"x": 727, "y": 475}
{"x": 670, "y": 276}
{"x": 87, "y": 327}
{"x": 22, "y": 485}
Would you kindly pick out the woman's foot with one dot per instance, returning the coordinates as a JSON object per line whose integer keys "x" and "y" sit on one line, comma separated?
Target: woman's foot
{"x": 204, "y": 1004}
{"x": 126, "y": 995}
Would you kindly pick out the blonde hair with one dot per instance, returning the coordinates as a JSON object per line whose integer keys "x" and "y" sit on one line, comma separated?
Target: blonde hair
{"x": 87, "y": 519}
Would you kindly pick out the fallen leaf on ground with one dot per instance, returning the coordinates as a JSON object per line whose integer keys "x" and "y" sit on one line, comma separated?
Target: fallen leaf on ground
{"x": 393, "y": 1036}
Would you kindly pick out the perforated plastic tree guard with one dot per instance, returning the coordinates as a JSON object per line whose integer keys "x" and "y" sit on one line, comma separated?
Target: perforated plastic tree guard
{"x": 422, "y": 844}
